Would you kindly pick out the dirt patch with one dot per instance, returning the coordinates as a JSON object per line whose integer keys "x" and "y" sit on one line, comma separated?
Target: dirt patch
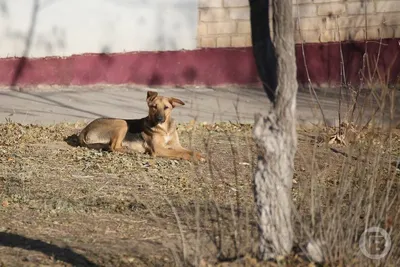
{"x": 64, "y": 205}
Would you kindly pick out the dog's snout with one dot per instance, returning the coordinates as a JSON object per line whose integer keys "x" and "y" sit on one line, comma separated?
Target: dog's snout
{"x": 160, "y": 118}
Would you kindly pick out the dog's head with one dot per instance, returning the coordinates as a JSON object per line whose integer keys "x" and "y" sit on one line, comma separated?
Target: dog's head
{"x": 160, "y": 107}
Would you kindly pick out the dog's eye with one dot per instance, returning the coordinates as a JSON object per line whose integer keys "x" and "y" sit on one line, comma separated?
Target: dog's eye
{"x": 166, "y": 108}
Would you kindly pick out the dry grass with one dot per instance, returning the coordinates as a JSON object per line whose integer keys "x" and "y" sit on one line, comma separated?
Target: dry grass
{"x": 66, "y": 205}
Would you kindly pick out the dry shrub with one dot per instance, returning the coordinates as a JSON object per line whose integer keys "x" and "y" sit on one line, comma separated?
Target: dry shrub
{"x": 341, "y": 201}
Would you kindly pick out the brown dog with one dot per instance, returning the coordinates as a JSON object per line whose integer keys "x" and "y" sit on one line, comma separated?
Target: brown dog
{"x": 155, "y": 134}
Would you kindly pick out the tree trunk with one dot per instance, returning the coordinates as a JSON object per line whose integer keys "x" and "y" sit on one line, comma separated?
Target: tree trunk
{"x": 275, "y": 134}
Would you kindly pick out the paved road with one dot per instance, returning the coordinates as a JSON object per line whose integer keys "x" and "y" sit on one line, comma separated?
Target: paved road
{"x": 211, "y": 105}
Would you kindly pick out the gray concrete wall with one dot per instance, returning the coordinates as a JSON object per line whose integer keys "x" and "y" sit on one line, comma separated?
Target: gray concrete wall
{"x": 39, "y": 28}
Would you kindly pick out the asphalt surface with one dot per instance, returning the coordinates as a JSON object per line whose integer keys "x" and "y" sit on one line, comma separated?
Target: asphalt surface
{"x": 201, "y": 104}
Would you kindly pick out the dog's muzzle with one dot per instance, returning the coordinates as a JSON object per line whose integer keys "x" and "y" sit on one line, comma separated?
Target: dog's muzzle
{"x": 160, "y": 118}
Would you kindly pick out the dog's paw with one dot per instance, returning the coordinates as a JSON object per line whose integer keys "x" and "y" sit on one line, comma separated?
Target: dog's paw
{"x": 120, "y": 150}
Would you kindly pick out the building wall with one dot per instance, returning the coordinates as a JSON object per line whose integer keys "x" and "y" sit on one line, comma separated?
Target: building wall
{"x": 226, "y": 23}
{"x": 159, "y": 42}
{"x": 39, "y": 28}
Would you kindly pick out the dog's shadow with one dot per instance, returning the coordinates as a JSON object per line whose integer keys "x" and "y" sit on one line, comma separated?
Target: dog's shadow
{"x": 72, "y": 140}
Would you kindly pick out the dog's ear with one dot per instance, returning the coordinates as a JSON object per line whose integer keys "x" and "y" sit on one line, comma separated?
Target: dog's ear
{"x": 175, "y": 102}
{"x": 151, "y": 95}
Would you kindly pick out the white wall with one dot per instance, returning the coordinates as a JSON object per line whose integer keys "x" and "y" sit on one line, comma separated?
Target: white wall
{"x": 67, "y": 27}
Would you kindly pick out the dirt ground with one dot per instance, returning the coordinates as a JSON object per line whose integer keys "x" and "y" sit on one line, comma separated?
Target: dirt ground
{"x": 64, "y": 205}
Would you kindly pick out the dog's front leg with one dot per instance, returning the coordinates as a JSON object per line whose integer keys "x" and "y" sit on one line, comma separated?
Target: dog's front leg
{"x": 172, "y": 149}
{"x": 176, "y": 145}
{"x": 172, "y": 153}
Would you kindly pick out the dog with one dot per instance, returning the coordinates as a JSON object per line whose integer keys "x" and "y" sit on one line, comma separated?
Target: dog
{"x": 155, "y": 134}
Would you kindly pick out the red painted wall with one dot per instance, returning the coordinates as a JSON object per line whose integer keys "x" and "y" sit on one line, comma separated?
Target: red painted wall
{"x": 380, "y": 62}
{"x": 208, "y": 67}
